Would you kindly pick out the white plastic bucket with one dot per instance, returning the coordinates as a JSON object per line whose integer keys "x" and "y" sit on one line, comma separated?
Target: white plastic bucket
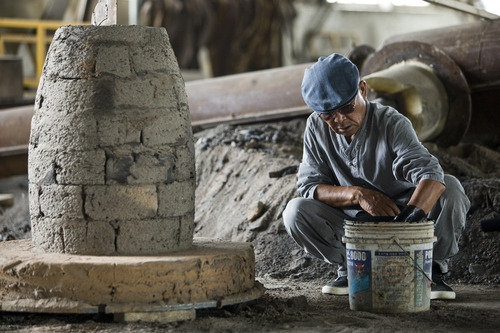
{"x": 389, "y": 265}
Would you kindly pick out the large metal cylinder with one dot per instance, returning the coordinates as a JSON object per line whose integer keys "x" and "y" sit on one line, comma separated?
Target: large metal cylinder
{"x": 259, "y": 95}
{"x": 111, "y": 152}
{"x": 11, "y": 79}
{"x": 420, "y": 96}
{"x": 15, "y": 125}
{"x": 474, "y": 47}
{"x": 456, "y": 112}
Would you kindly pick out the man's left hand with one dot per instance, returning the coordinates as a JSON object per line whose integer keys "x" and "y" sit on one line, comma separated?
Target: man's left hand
{"x": 411, "y": 214}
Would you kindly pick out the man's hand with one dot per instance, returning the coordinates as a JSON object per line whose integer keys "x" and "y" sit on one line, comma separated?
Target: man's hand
{"x": 373, "y": 202}
{"x": 411, "y": 214}
{"x": 376, "y": 203}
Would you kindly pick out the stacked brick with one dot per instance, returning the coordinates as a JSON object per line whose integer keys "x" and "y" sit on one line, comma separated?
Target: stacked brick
{"x": 111, "y": 152}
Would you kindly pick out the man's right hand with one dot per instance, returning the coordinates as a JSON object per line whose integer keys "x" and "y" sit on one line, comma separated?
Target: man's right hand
{"x": 376, "y": 203}
{"x": 373, "y": 202}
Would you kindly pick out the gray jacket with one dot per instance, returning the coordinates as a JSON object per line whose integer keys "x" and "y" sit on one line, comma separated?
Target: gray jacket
{"x": 385, "y": 155}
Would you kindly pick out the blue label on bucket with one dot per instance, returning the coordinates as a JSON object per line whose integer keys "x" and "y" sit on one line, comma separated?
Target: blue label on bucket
{"x": 423, "y": 264}
{"x": 359, "y": 272}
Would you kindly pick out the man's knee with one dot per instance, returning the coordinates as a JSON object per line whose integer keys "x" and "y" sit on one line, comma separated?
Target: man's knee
{"x": 450, "y": 213}
{"x": 290, "y": 214}
{"x": 455, "y": 193}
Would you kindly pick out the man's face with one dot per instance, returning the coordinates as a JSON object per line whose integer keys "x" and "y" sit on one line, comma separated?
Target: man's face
{"x": 347, "y": 120}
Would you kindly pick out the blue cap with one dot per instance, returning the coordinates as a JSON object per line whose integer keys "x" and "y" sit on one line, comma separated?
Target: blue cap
{"x": 330, "y": 83}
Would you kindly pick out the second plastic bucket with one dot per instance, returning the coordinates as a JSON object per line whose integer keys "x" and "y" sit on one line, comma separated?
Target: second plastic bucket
{"x": 389, "y": 265}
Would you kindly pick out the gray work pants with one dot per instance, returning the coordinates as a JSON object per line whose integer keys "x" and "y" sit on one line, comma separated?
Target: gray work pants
{"x": 318, "y": 227}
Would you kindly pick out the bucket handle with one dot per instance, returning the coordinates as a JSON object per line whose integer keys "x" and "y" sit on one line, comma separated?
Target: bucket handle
{"x": 396, "y": 241}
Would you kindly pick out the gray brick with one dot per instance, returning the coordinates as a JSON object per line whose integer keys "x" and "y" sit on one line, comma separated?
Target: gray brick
{"x": 111, "y": 146}
{"x": 80, "y": 167}
{"x": 118, "y": 130}
{"x": 73, "y": 236}
{"x": 34, "y": 205}
{"x": 100, "y": 239}
{"x": 149, "y": 92}
{"x": 176, "y": 199}
{"x": 185, "y": 168}
{"x": 82, "y": 54}
{"x": 153, "y": 236}
{"x": 151, "y": 167}
{"x": 172, "y": 128}
{"x": 61, "y": 201}
{"x": 64, "y": 132}
{"x": 113, "y": 60}
{"x": 180, "y": 91}
{"x": 46, "y": 236}
{"x": 118, "y": 164}
{"x": 57, "y": 98}
{"x": 119, "y": 202}
{"x": 187, "y": 229}
{"x": 139, "y": 166}
{"x": 41, "y": 166}
{"x": 148, "y": 59}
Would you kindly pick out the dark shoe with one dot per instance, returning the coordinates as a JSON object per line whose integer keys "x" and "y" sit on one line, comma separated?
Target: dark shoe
{"x": 439, "y": 289}
{"x": 338, "y": 286}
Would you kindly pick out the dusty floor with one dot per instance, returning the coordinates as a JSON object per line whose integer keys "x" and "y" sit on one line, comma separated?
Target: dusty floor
{"x": 245, "y": 176}
{"x": 290, "y": 306}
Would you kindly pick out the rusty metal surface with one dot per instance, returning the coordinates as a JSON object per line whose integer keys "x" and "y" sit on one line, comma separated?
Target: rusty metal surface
{"x": 464, "y": 7}
{"x": 485, "y": 116}
{"x": 253, "y": 96}
{"x": 359, "y": 54}
{"x": 474, "y": 47}
{"x": 446, "y": 70}
{"x": 11, "y": 80}
{"x": 14, "y": 165}
{"x": 15, "y": 125}
{"x": 419, "y": 94}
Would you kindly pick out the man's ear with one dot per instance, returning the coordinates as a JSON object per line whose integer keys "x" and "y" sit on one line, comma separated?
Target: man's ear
{"x": 362, "y": 88}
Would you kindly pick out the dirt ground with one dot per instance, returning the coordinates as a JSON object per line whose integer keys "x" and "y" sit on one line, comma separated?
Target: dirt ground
{"x": 245, "y": 176}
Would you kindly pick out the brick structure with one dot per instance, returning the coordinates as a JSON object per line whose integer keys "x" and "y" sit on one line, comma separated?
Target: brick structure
{"x": 112, "y": 183}
{"x": 111, "y": 155}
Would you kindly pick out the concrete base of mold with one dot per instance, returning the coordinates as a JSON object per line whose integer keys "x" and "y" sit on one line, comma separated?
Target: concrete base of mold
{"x": 212, "y": 273}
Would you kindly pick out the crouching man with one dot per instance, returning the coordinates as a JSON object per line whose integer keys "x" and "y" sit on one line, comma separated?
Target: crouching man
{"x": 360, "y": 159}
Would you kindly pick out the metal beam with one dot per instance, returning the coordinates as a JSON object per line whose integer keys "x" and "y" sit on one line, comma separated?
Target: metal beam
{"x": 463, "y": 7}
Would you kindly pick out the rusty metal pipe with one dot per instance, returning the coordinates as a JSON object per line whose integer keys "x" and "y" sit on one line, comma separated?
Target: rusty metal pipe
{"x": 473, "y": 46}
{"x": 457, "y": 92}
{"x": 247, "y": 97}
{"x": 420, "y": 94}
{"x": 15, "y": 125}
